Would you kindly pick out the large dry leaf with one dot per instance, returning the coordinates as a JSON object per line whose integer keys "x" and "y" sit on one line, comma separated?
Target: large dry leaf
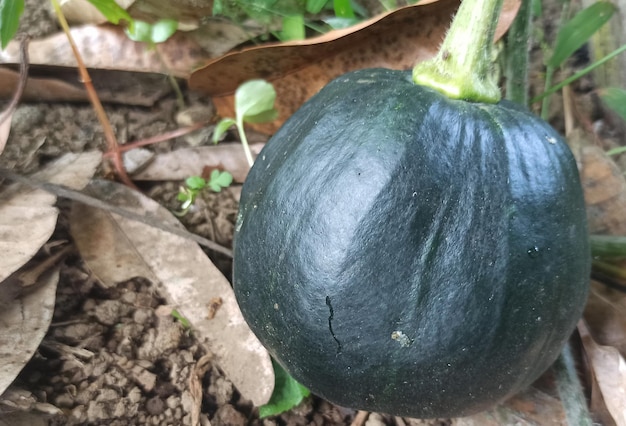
{"x": 182, "y": 163}
{"x": 116, "y": 249}
{"x": 23, "y": 324}
{"x": 107, "y": 47}
{"x": 605, "y": 314}
{"x": 605, "y": 191}
{"x": 395, "y": 40}
{"x": 609, "y": 369}
{"x": 28, "y": 216}
{"x": 61, "y": 84}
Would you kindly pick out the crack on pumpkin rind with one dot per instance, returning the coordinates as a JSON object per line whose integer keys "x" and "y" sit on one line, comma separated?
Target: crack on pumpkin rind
{"x": 330, "y": 323}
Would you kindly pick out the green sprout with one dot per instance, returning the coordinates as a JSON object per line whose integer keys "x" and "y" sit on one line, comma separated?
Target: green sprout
{"x": 254, "y": 103}
{"x": 180, "y": 318}
{"x": 195, "y": 184}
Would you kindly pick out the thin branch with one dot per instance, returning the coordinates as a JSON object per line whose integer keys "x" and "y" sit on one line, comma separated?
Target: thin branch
{"x": 109, "y": 135}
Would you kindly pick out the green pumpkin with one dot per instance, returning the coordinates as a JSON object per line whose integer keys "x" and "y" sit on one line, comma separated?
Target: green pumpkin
{"x": 400, "y": 252}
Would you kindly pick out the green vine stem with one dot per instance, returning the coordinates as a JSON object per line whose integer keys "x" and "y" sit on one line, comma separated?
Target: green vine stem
{"x": 463, "y": 67}
{"x": 517, "y": 53}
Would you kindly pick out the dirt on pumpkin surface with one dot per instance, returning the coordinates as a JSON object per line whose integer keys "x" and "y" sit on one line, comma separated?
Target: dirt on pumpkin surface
{"x": 115, "y": 352}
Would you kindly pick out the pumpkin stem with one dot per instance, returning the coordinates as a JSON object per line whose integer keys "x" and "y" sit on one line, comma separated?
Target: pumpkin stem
{"x": 463, "y": 68}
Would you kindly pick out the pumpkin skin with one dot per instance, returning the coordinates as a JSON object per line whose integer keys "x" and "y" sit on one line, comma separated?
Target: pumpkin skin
{"x": 400, "y": 252}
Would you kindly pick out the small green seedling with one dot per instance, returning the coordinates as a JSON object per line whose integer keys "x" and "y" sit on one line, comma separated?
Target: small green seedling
{"x": 152, "y": 34}
{"x": 181, "y": 319}
{"x": 254, "y": 103}
{"x": 195, "y": 184}
{"x": 288, "y": 393}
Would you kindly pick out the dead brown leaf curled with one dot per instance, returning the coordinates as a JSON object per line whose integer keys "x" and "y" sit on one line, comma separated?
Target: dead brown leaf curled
{"x": 396, "y": 40}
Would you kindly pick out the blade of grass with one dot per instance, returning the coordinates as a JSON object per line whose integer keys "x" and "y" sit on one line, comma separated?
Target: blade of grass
{"x": 579, "y": 74}
{"x": 10, "y": 13}
{"x": 578, "y": 30}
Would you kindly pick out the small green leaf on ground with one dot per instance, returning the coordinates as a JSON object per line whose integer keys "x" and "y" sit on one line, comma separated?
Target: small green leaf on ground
{"x": 195, "y": 182}
{"x": 578, "y": 30}
{"x": 219, "y": 180}
{"x": 287, "y": 393}
{"x": 163, "y": 29}
{"x": 113, "y": 12}
{"x": 10, "y": 13}
{"x": 155, "y": 33}
{"x": 181, "y": 319}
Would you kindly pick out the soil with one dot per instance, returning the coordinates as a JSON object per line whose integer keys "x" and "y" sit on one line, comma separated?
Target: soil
{"x": 111, "y": 356}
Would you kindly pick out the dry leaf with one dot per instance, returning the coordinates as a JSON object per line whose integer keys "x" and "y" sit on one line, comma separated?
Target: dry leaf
{"x": 61, "y": 84}
{"x": 609, "y": 369}
{"x": 395, "y": 40}
{"x": 605, "y": 315}
{"x": 23, "y": 324}
{"x": 116, "y": 249}
{"x": 182, "y": 163}
{"x": 529, "y": 408}
{"x": 107, "y": 47}
{"x": 604, "y": 187}
{"x": 28, "y": 216}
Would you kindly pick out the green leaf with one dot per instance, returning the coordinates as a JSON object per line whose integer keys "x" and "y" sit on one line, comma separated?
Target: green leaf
{"x": 112, "y": 11}
{"x": 163, "y": 29}
{"x": 253, "y": 98}
{"x": 10, "y": 13}
{"x": 139, "y": 31}
{"x": 219, "y": 180}
{"x": 183, "y": 321}
{"x": 196, "y": 183}
{"x": 615, "y": 98}
{"x": 222, "y": 127}
{"x": 155, "y": 33}
{"x": 579, "y": 30}
{"x": 287, "y": 393}
{"x": 293, "y": 28}
{"x": 315, "y": 6}
{"x": 608, "y": 246}
{"x": 263, "y": 117}
{"x": 343, "y": 9}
